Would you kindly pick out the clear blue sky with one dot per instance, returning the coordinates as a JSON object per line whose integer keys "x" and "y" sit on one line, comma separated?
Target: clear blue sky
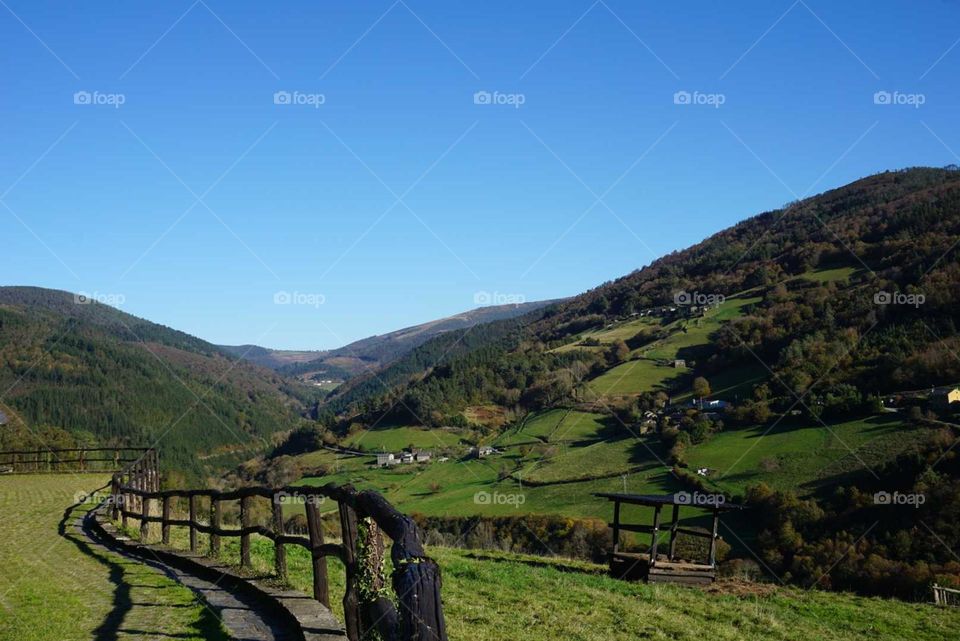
{"x": 199, "y": 199}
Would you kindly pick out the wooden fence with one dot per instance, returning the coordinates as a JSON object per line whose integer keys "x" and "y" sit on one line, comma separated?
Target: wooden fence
{"x": 415, "y": 612}
{"x": 945, "y": 596}
{"x": 82, "y": 459}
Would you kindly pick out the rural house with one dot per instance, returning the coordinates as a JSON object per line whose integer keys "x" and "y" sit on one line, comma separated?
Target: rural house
{"x": 944, "y": 396}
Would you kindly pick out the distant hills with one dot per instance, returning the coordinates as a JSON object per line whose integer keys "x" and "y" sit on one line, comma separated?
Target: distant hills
{"x": 374, "y": 352}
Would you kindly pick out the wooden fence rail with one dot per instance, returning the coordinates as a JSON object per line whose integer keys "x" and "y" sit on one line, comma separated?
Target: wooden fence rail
{"x": 945, "y": 596}
{"x": 81, "y": 459}
{"x": 415, "y": 611}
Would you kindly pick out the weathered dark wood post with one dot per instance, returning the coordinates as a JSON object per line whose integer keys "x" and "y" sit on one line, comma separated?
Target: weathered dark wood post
{"x": 245, "y": 537}
{"x": 713, "y": 538}
{"x": 654, "y": 533}
{"x": 215, "y": 525}
{"x": 321, "y": 588}
{"x": 115, "y": 497}
{"x": 194, "y": 499}
{"x": 279, "y": 552}
{"x": 165, "y": 522}
{"x": 144, "y": 523}
{"x": 351, "y": 602}
{"x": 616, "y": 526}
{"x": 673, "y": 532}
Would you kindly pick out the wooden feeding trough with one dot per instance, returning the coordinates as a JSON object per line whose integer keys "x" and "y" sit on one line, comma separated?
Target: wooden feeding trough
{"x": 655, "y": 566}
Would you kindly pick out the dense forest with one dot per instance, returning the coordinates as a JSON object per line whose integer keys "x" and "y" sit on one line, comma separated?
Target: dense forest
{"x": 87, "y": 373}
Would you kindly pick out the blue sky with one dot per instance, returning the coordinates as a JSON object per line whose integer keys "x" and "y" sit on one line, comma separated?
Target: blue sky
{"x": 199, "y": 201}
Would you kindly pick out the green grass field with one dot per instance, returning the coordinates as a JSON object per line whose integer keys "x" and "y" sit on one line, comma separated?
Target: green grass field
{"x": 836, "y": 274}
{"x": 634, "y": 377}
{"x": 800, "y": 457}
{"x": 393, "y": 439}
{"x": 56, "y": 588}
{"x": 491, "y": 596}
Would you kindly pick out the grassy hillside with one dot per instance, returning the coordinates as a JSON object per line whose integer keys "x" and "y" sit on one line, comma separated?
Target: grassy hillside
{"x": 791, "y": 327}
{"x": 98, "y": 375}
{"x": 490, "y": 595}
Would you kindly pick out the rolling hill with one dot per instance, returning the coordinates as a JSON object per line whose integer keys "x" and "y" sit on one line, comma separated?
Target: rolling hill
{"x": 768, "y": 362}
{"x": 77, "y": 371}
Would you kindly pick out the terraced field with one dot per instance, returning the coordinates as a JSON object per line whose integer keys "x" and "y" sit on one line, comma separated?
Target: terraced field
{"x": 54, "y": 587}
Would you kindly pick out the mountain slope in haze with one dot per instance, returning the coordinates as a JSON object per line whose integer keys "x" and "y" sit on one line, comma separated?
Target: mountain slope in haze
{"x": 272, "y": 358}
{"x": 95, "y": 374}
{"x": 375, "y": 352}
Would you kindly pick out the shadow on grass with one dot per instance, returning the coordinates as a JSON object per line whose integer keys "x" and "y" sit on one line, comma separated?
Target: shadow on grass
{"x": 206, "y": 626}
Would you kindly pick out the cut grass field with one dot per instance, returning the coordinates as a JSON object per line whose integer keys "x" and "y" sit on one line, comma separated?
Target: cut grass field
{"x": 491, "y": 596}
{"x": 634, "y": 377}
{"x": 55, "y": 587}
{"x": 395, "y": 438}
{"x": 801, "y": 456}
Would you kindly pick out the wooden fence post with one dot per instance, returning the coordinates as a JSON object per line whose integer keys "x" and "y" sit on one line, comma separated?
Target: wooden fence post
{"x": 193, "y": 522}
{"x": 214, "y": 523}
{"x": 165, "y": 523}
{"x": 673, "y": 532}
{"x": 115, "y": 497}
{"x": 351, "y": 601}
{"x": 144, "y": 523}
{"x": 125, "y": 501}
{"x": 713, "y": 538}
{"x": 656, "y": 535}
{"x": 321, "y": 588}
{"x": 279, "y": 553}
{"x": 245, "y": 538}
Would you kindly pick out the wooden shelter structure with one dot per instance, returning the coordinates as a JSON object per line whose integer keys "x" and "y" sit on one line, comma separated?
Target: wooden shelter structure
{"x": 655, "y": 565}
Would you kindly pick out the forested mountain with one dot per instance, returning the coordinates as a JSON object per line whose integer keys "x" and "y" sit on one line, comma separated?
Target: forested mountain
{"x": 889, "y": 235}
{"x": 76, "y": 371}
